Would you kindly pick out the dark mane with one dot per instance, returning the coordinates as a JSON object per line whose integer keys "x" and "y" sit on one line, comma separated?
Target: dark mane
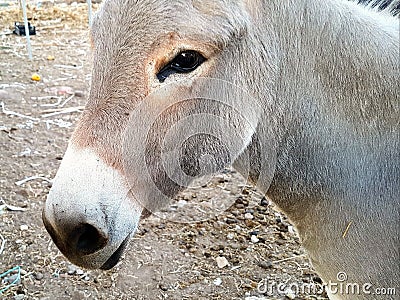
{"x": 391, "y": 6}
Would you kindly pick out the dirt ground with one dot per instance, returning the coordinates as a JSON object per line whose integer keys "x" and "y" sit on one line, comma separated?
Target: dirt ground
{"x": 166, "y": 259}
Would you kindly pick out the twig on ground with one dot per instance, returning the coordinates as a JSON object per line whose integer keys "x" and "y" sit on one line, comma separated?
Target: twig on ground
{"x": 23, "y": 181}
{"x": 58, "y": 103}
{"x": 8, "y": 85}
{"x": 177, "y": 270}
{"x": 59, "y": 99}
{"x": 7, "y": 32}
{"x": 3, "y": 243}
{"x": 67, "y": 100}
{"x": 65, "y": 78}
{"x": 13, "y": 113}
{"x": 63, "y": 111}
{"x": 16, "y": 54}
{"x": 58, "y": 122}
{"x": 289, "y": 258}
{"x": 5, "y": 206}
{"x": 45, "y": 98}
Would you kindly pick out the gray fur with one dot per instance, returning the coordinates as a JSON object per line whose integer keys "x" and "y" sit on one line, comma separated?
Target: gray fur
{"x": 325, "y": 79}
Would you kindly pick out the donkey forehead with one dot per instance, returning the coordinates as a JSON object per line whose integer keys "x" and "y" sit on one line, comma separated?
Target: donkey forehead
{"x": 142, "y": 22}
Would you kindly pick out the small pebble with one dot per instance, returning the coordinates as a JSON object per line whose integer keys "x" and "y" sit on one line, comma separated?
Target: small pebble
{"x": 230, "y": 236}
{"x": 248, "y": 216}
{"x": 262, "y": 209}
{"x": 23, "y": 272}
{"x": 265, "y": 264}
{"x": 218, "y": 281}
{"x": 23, "y": 227}
{"x": 19, "y": 297}
{"x": 79, "y": 272}
{"x": 182, "y": 203}
{"x": 231, "y": 221}
{"x": 38, "y": 276}
{"x": 264, "y": 202}
{"x": 235, "y": 246}
{"x": 79, "y": 94}
{"x": 71, "y": 270}
{"x": 222, "y": 262}
{"x": 254, "y": 239}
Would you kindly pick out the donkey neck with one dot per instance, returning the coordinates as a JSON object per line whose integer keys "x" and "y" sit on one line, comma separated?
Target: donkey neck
{"x": 337, "y": 54}
{"x": 337, "y": 84}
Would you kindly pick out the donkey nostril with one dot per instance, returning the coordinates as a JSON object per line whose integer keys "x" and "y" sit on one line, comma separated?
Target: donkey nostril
{"x": 90, "y": 239}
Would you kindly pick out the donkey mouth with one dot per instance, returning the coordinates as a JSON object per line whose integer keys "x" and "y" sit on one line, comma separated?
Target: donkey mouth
{"x": 116, "y": 257}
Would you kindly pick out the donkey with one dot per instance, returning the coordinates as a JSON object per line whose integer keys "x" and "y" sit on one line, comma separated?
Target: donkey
{"x": 299, "y": 96}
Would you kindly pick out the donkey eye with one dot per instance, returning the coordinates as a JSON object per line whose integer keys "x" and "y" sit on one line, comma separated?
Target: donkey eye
{"x": 184, "y": 62}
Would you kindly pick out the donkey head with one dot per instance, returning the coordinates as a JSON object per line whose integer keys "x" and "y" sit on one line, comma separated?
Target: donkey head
{"x": 153, "y": 121}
